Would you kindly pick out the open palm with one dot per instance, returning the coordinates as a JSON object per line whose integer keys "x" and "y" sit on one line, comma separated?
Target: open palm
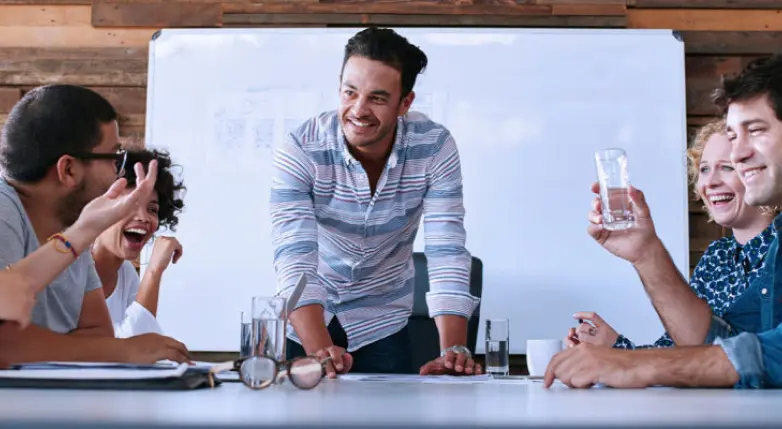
{"x": 114, "y": 205}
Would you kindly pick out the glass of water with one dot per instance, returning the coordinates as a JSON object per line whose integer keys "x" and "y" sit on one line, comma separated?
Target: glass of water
{"x": 268, "y": 327}
{"x": 497, "y": 351}
{"x": 245, "y": 342}
{"x": 614, "y": 183}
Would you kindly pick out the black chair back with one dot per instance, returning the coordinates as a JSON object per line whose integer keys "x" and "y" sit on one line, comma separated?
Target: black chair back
{"x": 424, "y": 338}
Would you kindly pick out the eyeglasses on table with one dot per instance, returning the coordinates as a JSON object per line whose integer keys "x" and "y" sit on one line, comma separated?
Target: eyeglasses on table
{"x": 259, "y": 372}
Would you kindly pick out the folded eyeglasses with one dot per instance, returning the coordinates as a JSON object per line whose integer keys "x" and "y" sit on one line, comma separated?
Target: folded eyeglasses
{"x": 258, "y": 372}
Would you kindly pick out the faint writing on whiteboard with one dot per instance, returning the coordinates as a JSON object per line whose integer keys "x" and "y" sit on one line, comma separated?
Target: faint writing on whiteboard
{"x": 249, "y": 124}
{"x": 229, "y": 133}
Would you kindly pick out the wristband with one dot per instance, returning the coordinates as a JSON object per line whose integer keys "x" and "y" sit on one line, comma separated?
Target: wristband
{"x": 68, "y": 246}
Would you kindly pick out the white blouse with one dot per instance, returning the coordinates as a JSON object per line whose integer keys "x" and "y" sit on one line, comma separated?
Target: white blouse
{"x": 128, "y": 316}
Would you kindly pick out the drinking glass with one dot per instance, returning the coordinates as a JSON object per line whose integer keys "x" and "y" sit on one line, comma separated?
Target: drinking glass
{"x": 614, "y": 183}
{"x": 245, "y": 342}
{"x": 268, "y": 327}
{"x": 497, "y": 351}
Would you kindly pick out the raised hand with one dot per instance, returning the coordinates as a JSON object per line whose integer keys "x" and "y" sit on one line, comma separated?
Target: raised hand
{"x": 629, "y": 244}
{"x": 115, "y": 204}
{"x": 166, "y": 251}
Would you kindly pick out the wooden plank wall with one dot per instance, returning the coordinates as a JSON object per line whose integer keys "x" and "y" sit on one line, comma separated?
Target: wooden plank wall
{"x": 102, "y": 44}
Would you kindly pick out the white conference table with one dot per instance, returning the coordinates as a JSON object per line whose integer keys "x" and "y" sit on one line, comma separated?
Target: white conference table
{"x": 344, "y": 404}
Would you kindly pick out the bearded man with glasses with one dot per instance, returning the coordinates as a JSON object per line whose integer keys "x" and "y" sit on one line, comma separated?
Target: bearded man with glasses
{"x": 60, "y": 152}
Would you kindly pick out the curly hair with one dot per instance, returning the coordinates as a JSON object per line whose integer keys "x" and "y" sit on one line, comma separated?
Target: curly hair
{"x": 169, "y": 190}
{"x": 695, "y": 153}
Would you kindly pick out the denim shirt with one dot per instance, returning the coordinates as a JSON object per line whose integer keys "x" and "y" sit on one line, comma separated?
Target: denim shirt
{"x": 757, "y": 357}
{"x": 726, "y": 270}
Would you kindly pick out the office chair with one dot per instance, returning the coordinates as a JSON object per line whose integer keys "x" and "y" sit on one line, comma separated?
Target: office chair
{"x": 424, "y": 339}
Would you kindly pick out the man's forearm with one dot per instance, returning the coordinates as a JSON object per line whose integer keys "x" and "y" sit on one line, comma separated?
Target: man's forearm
{"x": 94, "y": 331}
{"x": 37, "y": 344}
{"x": 310, "y": 328}
{"x": 452, "y": 329}
{"x": 686, "y": 317}
{"x": 46, "y": 263}
{"x": 698, "y": 366}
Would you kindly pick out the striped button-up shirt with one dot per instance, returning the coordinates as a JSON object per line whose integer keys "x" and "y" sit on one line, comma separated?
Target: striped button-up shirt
{"x": 356, "y": 248}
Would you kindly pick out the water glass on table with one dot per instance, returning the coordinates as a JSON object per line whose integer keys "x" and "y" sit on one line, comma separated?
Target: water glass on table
{"x": 614, "y": 183}
{"x": 497, "y": 351}
{"x": 269, "y": 322}
{"x": 245, "y": 335}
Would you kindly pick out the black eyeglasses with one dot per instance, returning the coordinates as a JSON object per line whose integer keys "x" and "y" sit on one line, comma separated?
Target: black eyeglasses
{"x": 120, "y": 158}
{"x": 258, "y": 372}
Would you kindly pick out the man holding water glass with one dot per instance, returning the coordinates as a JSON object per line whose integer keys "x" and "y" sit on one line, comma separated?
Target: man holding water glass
{"x": 349, "y": 189}
{"x": 754, "y": 124}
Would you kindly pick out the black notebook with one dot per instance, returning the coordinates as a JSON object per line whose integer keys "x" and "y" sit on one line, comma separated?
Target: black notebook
{"x": 111, "y": 376}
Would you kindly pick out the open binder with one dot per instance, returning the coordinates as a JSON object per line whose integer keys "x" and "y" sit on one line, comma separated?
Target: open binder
{"x": 108, "y": 376}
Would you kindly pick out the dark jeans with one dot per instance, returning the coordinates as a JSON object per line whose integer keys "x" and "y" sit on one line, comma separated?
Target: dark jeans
{"x": 391, "y": 355}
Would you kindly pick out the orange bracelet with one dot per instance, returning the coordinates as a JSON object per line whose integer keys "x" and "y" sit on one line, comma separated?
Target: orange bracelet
{"x": 68, "y": 246}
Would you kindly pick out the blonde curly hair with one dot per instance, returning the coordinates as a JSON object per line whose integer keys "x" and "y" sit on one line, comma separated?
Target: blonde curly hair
{"x": 695, "y": 153}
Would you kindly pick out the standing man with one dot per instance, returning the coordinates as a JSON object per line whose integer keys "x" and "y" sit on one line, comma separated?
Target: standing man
{"x": 754, "y": 124}
{"x": 349, "y": 189}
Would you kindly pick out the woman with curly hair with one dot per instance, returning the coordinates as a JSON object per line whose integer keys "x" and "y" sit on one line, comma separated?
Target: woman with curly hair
{"x": 730, "y": 265}
{"x": 132, "y": 302}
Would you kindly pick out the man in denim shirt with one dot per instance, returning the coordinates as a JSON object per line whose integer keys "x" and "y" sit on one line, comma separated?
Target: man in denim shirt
{"x": 734, "y": 355}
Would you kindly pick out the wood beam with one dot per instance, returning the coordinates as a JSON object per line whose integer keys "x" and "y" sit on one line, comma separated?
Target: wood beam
{"x": 706, "y": 4}
{"x": 263, "y": 19}
{"x": 76, "y": 66}
{"x": 156, "y": 13}
{"x": 44, "y": 16}
{"x": 732, "y": 42}
{"x": 8, "y": 98}
{"x": 706, "y": 19}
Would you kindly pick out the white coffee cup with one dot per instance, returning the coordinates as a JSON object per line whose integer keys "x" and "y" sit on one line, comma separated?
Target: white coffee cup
{"x": 539, "y": 354}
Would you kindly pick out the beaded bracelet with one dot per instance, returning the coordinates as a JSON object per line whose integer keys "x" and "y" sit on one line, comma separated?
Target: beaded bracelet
{"x": 68, "y": 246}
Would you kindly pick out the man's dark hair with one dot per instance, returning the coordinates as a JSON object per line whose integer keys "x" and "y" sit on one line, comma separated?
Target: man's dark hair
{"x": 388, "y": 47}
{"x": 168, "y": 189}
{"x": 760, "y": 77}
{"x": 47, "y": 123}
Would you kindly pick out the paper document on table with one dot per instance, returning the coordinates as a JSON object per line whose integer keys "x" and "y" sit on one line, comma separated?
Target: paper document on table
{"x": 405, "y": 378}
{"x": 444, "y": 379}
{"x": 92, "y": 371}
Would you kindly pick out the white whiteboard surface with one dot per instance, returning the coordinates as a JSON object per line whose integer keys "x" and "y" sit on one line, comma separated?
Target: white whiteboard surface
{"x": 528, "y": 108}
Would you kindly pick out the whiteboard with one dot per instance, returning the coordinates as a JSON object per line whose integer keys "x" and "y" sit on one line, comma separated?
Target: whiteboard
{"x": 528, "y": 108}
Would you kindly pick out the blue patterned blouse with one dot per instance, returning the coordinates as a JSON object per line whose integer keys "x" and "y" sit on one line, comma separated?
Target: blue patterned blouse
{"x": 724, "y": 272}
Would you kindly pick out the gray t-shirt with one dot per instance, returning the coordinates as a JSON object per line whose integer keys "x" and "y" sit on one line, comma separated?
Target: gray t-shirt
{"x": 58, "y": 307}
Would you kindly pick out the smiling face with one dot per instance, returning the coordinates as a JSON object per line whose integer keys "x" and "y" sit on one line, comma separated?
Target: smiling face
{"x": 126, "y": 238}
{"x": 370, "y": 101}
{"x": 719, "y": 185}
{"x": 756, "y": 135}
{"x": 98, "y": 176}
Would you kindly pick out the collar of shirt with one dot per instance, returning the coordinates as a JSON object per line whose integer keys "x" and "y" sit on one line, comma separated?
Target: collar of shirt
{"x": 399, "y": 143}
{"x": 752, "y": 253}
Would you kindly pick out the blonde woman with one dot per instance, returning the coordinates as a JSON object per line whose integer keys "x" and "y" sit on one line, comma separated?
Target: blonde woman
{"x": 729, "y": 265}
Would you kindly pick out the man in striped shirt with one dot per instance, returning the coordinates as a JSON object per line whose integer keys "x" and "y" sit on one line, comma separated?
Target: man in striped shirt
{"x": 348, "y": 191}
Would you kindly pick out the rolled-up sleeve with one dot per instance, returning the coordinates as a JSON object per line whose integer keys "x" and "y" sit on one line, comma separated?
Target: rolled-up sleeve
{"x": 757, "y": 358}
{"x": 137, "y": 321}
{"x": 294, "y": 228}
{"x": 719, "y": 328}
{"x": 448, "y": 261}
